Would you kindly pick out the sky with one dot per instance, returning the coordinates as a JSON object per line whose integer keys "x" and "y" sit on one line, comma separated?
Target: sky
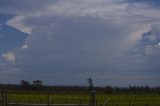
{"x": 64, "y": 42}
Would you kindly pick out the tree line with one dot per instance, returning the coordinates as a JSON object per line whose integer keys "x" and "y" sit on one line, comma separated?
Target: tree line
{"x": 38, "y": 85}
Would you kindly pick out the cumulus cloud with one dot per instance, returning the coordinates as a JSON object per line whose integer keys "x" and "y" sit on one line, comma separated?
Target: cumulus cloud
{"x": 9, "y": 57}
{"x": 86, "y": 38}
{"x": 153, "y": 51}
{"x": 24, "y": 46}
{"x": 17, "y": 22}
{"x": 24, "y": 7}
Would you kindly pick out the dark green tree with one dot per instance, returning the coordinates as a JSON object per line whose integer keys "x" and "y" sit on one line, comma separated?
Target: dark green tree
{"x": 90, "y": 81}
{"x": 37, "y": 85}
{"x": 25, "y": 85}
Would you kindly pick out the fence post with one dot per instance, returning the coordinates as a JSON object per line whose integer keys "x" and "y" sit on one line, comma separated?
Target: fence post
{"x": 80, "y": 102}
{"x": 6, "y": 101}
{"x": 93, "y": 98}
{"x": 48, "y": 99}
{"x": 2, "y": 101}
{"x": 29, "y": 97}
{"x": 92, "y": 92}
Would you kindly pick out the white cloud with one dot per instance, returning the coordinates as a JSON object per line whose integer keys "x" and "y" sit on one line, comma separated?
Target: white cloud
{"x": 9, "y": 57}
{"x": 83, "y": 35}
{"x": 25, "y": 46}
{"x": 18, "y": 23}
{"x": 153, "y": 51}
{"x": 135, "y": 36}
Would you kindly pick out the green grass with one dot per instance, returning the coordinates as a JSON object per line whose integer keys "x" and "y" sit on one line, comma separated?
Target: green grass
{"x": 77, "y": 98}
{"x": 57, "y": 98}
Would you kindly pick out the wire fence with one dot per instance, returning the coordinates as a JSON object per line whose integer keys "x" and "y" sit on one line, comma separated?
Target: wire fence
{"x": 75, "y": 99}
{"x": 43, "y": 98}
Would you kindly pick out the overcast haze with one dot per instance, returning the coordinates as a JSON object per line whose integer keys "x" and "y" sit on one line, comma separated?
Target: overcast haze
{"x": 64, "y": 42}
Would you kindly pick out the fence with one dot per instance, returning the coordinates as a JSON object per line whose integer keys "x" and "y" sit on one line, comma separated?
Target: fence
{"x": 43, "y": 99}
{"x": 76, "y": 99}
{"x": 3, "y": 98}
